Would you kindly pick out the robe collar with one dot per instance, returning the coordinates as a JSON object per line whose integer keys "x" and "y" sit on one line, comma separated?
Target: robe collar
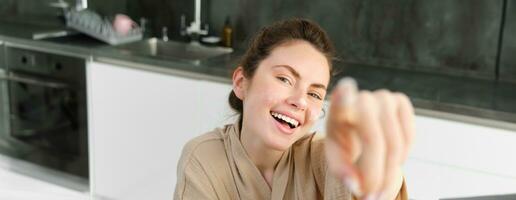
{"x": 250, "y": 183}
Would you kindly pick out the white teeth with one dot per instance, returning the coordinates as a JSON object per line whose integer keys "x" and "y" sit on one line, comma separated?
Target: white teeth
{"x": 285, "y": 118}
{"x": 295, "y": 123}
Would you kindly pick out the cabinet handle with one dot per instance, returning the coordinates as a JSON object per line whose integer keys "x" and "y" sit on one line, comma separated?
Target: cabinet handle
{"x": 32, "y": 80}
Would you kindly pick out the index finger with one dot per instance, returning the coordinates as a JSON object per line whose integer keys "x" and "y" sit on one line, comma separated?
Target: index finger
{"x": 354, "y": 124}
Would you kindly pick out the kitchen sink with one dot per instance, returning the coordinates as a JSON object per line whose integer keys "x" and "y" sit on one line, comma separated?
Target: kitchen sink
{"x": 188, "y": 52}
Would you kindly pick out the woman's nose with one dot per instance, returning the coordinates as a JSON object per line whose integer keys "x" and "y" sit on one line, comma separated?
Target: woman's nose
{"x": 298, "y": 100}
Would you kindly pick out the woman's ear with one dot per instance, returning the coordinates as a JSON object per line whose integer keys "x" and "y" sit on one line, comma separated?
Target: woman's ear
{"x": 239, "y": 82}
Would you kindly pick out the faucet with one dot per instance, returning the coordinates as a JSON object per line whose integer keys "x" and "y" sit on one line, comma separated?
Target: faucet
{"x": 164, "y": 33}
{"x": 195, "y": 26}
{"x": 79, "y": 5}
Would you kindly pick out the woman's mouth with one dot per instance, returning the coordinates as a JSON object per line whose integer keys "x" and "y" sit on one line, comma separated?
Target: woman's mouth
{"x": 285, "y": 123}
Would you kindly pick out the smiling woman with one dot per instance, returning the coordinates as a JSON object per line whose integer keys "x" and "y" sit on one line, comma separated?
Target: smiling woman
{"x": 270, "y": 153}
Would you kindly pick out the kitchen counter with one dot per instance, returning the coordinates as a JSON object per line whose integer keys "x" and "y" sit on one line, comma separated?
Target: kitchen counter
{"x": 471, "y": 100}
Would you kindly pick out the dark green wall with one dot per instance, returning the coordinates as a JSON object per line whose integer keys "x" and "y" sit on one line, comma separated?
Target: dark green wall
{"x": 459, "y": 37}
{"x": 453, "y": 37}
{"x": 507, "y": 71}
{"x": 30, "y": 7}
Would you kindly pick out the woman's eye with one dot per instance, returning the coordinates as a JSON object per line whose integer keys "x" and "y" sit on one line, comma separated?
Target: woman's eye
{"x": 285, "y": 80}
{"x": 315, "y": 96}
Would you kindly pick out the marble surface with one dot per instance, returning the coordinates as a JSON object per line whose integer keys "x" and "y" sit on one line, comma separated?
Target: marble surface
{"x": 467, "y": 96}
{"x": 507, "y": 69}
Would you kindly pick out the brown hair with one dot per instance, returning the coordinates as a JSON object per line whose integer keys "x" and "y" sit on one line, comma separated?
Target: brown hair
{"x": 274, "y": 35}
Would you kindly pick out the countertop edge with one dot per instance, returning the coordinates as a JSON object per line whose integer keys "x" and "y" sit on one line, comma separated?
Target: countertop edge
{"x": 486, "y": 122}
{"x": 162, "y": 70}
{"x": 485, "y": 117}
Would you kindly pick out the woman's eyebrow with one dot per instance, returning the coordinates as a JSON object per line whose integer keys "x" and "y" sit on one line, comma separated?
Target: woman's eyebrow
{"x": 318, "y": 85}
{"x": 297, "y": 75}
{"x": 292, "y": 70}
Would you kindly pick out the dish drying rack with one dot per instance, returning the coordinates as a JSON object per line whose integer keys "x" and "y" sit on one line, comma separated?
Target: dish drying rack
{"x": 94, "y": 25}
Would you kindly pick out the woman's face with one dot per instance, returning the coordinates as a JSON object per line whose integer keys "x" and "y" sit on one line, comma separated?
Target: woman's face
{"x": 285, "y": 96}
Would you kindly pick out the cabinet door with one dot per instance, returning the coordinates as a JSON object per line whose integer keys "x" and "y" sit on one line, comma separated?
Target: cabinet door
{"x": 214, "y": 107}
{"x": 138, "y": 124}
{"x": 455, "y": 159}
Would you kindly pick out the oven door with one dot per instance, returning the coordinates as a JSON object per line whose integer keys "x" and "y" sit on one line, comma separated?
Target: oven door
{"x": 44, "y": 123}
{"x": 41, "y": 108}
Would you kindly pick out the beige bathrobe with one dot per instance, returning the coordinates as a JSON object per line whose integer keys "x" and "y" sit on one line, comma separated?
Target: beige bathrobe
{"x": 216, "y": 166}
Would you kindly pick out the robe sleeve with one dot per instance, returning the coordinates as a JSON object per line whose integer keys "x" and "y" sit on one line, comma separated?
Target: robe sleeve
{"x": 193, "y": 183}
{"x": 330, "y": 187}
{"x": 402, "y": 194}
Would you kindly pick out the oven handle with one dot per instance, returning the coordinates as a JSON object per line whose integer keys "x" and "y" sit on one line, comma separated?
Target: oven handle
{"x": 16, "y": 77}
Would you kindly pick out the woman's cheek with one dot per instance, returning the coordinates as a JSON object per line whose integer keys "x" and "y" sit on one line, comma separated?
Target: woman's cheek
{"x": 311, "y": 117}
{"x": 314, "y": 114}
{"x": 272, "y": 98}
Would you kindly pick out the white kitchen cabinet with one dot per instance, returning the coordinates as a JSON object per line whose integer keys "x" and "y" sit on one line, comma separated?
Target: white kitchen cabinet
{"x": 138, "y": 124}
{"x": 214, "y": 107}
{"x": 456, "y": 159}
{"x": 139, "y": 121}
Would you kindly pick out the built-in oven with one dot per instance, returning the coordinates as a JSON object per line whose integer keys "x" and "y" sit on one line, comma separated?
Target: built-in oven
{"x": 44, "y": 110}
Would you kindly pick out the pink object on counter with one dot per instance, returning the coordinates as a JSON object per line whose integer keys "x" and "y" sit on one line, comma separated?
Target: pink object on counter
{"x": 123, "y": 24}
